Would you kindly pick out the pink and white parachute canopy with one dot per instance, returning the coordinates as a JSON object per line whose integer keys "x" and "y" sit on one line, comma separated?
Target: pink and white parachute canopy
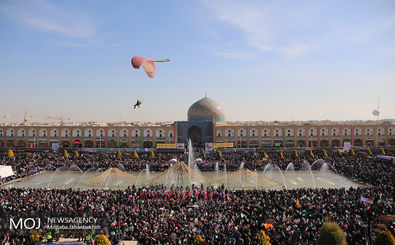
{"x": 148, "y": 64}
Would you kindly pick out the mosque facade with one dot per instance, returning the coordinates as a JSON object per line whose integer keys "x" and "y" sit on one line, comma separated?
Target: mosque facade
{"x": 206, "y": 124}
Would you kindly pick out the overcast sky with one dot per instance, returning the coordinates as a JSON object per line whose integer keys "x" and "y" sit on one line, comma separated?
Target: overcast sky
{"x": 261, "y": 60}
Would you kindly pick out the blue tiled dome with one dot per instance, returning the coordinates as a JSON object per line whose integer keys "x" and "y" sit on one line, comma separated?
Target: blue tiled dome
{"x": 206, "y": 109}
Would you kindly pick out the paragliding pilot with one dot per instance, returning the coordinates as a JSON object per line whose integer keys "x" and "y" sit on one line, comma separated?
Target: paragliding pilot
{"x": 138, "y": 103}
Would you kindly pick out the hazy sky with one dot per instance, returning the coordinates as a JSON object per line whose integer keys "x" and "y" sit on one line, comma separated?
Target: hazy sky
{"x": 261, "y": 60}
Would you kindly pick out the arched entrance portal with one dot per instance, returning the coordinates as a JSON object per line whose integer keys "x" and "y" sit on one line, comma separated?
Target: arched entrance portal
{"x": 195, "y": 134}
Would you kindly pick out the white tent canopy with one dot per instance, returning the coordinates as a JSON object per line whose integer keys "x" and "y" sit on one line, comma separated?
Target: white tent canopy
{"x": 6, "y": 171}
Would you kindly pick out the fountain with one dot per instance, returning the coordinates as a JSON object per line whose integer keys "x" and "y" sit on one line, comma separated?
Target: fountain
{"x": 112, "y": 177}
{"x": 190, "y": 156}
{"x": 70, "y": 177}
{"x": 74, "y": 168}
{"x": 179, "y": 174}
{"x": 147, "y": 174}
{"x": 290, "y": 167}
{"x": 317, "y": 162}
{"x": 271, "y": 168}
{"x": 306, "y": 167}
{"x": 245, "y": 178}
{"x": 53, "y": 174}
{"x": 290, "y": 172}
{"x": 121, "y": 167}
{"x": 324, "y": 166}
{"x": 63, "y": 168}
{"x": 191, "y": 159}
{"x": 82, "y": 177}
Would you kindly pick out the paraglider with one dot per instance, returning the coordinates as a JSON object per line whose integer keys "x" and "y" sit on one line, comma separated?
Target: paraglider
{"x": 147, "y": 64}
{"x": 138, "y": 103}
{"x": 149, "y": 68}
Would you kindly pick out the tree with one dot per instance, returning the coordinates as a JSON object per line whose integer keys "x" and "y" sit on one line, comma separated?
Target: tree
{"x": 102, "y": 240}
{"x": 385, "y": 238}
{"x": 263, "y": 238}
{"x": 34, "y": 238}
{"x": 331, "y": 234}
{"x": 200, "y": 241}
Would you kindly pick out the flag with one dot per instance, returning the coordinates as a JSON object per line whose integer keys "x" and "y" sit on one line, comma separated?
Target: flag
{"x": 367, "y": 200}
{"x": 311, "y": 153}
{"x": 204, "y": 154}
{"x": 11, "y": 153}
{"x": 298, "y": 204}
{"x": 268, "y": 226}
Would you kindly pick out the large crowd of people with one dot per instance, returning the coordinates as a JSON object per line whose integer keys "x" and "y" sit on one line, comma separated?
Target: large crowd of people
{"x": 178, "y": 215}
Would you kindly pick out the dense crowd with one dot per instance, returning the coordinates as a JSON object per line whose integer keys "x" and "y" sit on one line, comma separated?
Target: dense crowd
{"x": 156, "y": 214}
{"x": 179, "y": 215}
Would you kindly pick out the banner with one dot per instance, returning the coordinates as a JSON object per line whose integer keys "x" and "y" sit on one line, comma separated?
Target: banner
{"x": 347, "y": 146}
{"x": 166, "y": 146}
{"x": 223, "y": 145}
{"x": 55, "y": 146}
{"x": 179, "y": 146}
{"x": 367, "y": 200}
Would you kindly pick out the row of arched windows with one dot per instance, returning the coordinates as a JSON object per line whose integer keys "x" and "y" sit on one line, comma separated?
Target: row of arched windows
{"x": 225, "y": 132}
{"x": 303, "y": 132}
{"x": 88, "y": 133}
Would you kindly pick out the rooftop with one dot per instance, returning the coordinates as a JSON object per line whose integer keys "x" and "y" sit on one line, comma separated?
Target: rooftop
{"x": 241, "y": 123}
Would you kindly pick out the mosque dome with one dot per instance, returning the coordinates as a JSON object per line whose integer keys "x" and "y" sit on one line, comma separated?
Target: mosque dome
{"x": 206, "y": 109}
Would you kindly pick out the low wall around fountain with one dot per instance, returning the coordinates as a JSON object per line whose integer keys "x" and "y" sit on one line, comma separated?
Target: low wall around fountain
{"x": 294, "y": 179}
